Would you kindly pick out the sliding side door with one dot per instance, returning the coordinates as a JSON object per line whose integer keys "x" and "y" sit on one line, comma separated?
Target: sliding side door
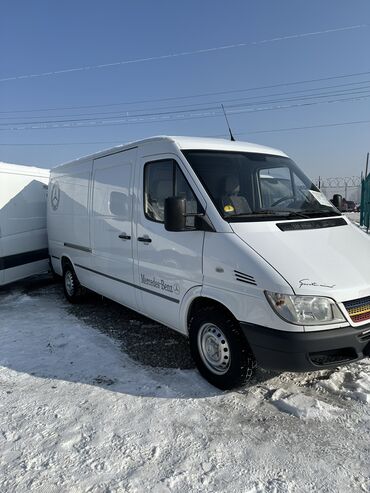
{"x": 111, "y": 227}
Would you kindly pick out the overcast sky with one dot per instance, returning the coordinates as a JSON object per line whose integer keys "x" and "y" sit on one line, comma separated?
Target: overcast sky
{"x": 220, "y": 52}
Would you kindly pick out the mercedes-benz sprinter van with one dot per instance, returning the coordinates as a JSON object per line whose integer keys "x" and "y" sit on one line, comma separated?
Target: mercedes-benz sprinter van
{"x": 226, "y": 242}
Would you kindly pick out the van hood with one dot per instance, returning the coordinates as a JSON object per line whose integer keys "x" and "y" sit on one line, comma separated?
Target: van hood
{"x": 328, "y": 261}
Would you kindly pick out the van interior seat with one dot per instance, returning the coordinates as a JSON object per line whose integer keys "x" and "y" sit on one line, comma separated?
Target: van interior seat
{"x": 163, "y": 190}
{"x": 231, "y": 197}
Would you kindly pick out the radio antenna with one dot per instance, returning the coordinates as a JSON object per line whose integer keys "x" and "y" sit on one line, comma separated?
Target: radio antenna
{"x": 227, "y": 122}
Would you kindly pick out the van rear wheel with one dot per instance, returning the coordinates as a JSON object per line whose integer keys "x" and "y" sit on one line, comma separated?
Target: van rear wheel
{"x": 72, "y": 288}
{"x": 219, "y": 349}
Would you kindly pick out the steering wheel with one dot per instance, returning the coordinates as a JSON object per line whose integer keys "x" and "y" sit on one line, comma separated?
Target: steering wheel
{"x": 283, "y": 199}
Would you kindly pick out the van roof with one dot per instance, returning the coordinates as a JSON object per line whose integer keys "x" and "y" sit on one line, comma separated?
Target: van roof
{"x": 199, "y": 143}
{"x": 222, "y": 144}
{"x": 20, "y": 169}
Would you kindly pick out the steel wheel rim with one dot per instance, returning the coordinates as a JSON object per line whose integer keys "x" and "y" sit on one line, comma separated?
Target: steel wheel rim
{"x": 69, "y": 283}
{"x": 214, "y": 348}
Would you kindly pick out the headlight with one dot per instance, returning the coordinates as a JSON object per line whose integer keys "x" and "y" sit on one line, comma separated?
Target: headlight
{"x": 305, "y": 310}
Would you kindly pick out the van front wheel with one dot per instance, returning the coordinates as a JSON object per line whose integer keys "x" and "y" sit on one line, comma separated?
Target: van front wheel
{"x": 72, "y": 288}
{"x": 219, "y": 349}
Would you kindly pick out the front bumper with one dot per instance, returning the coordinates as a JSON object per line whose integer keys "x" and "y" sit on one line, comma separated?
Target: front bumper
{"x": 307, "y": 351}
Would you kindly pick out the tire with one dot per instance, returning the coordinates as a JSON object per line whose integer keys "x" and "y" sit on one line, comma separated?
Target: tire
{"x": 219, "y": 349}
{"x": 72, "y": 288}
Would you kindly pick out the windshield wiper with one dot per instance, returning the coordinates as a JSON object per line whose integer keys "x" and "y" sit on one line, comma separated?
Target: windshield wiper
{"x": 304, "y": 214}
{"x": 285, "y": 214}
{"x": 297, "y": 214}
{"x": 280, "y": 214}
{"x": 330, "y": 212}
{"x": 268, "y": 212}
{"x": 254, "y": 213}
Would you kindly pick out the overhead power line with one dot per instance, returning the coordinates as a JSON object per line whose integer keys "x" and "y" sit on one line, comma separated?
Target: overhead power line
{"x": 183, "y": 53}
{"x": 61, "y": 143}
{"x": 252, "y": 132}
{"x": 212, "y": 111}
{"x": 324, "y": 125}
{"x": 248, "y": 101}
{"x": 206, "y": 94}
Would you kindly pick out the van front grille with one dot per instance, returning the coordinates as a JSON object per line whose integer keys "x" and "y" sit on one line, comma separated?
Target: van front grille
{"x": 358, "y": 310}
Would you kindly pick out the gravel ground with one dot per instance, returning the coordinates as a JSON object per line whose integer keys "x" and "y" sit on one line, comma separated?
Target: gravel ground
{"x": 145, "y": 341}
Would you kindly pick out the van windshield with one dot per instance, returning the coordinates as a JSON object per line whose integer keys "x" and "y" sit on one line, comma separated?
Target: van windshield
{"x": 247, "y": 186}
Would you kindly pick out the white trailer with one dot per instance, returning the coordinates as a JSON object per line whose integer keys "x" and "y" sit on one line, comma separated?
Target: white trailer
{"x": 23, "y": 237}
{"x": 226, "y": 242}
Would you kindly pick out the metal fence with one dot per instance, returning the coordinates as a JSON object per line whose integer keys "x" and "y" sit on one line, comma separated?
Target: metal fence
{"x": 349, "y": 187}
{"x": 365, "y": 203}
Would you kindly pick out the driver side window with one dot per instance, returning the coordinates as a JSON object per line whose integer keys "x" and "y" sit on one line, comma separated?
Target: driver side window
{"x": 163, "y": 179}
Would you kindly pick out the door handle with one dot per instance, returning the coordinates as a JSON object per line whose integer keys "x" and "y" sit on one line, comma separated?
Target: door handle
{"x": 144, "y": 239}
{"x": 124, "y": 236}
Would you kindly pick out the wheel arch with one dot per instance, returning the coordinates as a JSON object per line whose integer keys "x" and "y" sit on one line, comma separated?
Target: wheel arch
{"x": 204, "y": 301}
{"x": 64, "y": 261}
{"x": 195, "y": 299}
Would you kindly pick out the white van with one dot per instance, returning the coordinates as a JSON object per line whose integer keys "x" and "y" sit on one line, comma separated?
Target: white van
{"x": 226, "y": 242}
{"x": 23, "y": 238}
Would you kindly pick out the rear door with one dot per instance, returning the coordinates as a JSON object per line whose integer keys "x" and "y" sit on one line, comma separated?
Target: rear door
{"x": 111, "y": 227}
{"x": 169, "y": 263}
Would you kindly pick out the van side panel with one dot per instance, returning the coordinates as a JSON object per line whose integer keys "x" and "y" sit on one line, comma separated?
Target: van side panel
{"x": 68, "y": 215}
{"x": 23, "y": 238}
{"x": 90, "y": 223}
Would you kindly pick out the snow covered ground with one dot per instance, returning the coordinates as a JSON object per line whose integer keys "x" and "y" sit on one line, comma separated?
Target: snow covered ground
{"x": 83, "y": 411}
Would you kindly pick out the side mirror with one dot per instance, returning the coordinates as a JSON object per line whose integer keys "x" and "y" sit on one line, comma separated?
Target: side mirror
{"x": 337, "y": 201}
{"x": 175, "y": 214}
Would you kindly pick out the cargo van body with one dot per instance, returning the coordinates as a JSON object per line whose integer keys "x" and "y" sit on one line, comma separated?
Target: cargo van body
{"x": 23, "y": 238}
{"x": 228, "y": 243}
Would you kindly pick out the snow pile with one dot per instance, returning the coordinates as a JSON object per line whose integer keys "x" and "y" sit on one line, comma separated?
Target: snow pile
{"x": 78, "y": 415}
{"x": 304, "y": 406}
{"x": 349, "y": 384}
{"x": 276, "y": 485}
